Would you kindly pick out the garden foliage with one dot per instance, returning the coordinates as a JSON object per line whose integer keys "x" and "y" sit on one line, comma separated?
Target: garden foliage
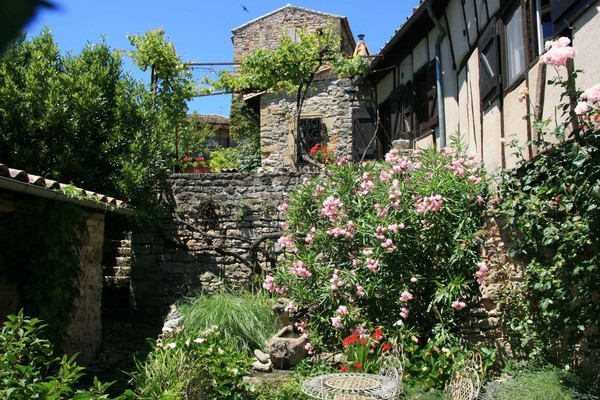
{"x": 552, "y": 203}
{"x": 29, "y": 368}
{"x": 202, "y": 355}
{"x": 394, "y": 244}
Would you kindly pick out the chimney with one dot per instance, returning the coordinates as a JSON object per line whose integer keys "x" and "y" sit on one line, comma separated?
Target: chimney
{"x": 361, "y": 47}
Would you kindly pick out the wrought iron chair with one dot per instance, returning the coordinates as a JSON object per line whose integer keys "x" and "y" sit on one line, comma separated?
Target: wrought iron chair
{"x": 466, "y": 381}
{"x": 393, "y": 367}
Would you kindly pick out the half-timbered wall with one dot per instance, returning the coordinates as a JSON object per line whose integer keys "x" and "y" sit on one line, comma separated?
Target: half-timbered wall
{"x": 480, "y": 102}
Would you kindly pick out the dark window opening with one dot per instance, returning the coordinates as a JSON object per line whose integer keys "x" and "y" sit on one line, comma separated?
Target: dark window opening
{"x": 489, "y": 64}
{"x": 310, "y": 132}
{"x": 426, "y": 112}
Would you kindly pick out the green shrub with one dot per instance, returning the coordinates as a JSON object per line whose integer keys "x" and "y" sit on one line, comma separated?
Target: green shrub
{"x": 394, "y": 244}
{"x": 206, "y": 356}
{"x": 244, "y": 319}
{"x": 223, "y": 159}
{"x": 30, "y": 370}
{"x": 552, "y": 205}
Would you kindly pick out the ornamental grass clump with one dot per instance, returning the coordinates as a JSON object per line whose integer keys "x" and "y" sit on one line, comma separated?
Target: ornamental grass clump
{"x": 393, "y": 244}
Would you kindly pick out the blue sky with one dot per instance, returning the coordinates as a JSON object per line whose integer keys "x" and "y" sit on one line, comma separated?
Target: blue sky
{"x": 200, "y": 29}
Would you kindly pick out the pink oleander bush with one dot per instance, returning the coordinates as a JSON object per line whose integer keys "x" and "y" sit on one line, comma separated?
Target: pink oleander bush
{"x": 393, "y": 244}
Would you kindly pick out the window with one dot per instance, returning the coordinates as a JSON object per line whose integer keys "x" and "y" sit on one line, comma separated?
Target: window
{"x": 489, "y": 63}
{"x": 310, "y": 132}
{"x": 426, "y": 99}
{"x": 515, "y": 45}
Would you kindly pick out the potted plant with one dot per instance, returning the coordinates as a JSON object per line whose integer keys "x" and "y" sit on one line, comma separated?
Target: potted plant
{"x": 195, "y": 165}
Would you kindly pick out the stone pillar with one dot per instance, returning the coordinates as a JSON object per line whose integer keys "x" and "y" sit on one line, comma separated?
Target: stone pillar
{"x": 84, "y": 333}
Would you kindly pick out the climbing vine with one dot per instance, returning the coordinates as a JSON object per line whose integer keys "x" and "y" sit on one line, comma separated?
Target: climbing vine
{"x": 43, "y": 260}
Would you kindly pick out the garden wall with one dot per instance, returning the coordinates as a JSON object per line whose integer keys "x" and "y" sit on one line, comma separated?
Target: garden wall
{"x": 225, "y": 229}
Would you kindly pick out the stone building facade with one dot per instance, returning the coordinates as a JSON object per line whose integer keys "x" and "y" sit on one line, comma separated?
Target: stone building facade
{"x": 329, "y": 110}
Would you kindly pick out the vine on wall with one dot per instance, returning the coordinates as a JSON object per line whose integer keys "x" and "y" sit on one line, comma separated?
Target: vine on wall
{"x": 43, "y": 260}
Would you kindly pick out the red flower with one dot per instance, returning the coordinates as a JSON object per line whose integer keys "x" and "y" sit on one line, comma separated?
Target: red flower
{"x": 344, "y": 368}
{"x": 199, "y": 159}
{"x": 385, "y": 347}
{"x": 185, "y": 159}
{"x": 358, "y": 366}
{"x": 363, "y": 341}
{"x": 350, "y": 340}
{"x": 315, "y": 148}
{"x": 378, "y": 334}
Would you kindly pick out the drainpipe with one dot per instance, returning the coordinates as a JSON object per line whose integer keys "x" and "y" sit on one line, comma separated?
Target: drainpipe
{"x": 438, "y": 75}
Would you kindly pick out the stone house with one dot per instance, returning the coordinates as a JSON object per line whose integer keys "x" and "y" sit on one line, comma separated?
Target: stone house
{"x": 457, "y": 66}
{"x": 220, "y": 124}
{"x": 330, "y": 109}
{"x": 84, "y": 331}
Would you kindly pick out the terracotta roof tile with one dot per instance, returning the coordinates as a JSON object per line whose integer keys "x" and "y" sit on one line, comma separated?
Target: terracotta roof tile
{"x": 88, "y": 198}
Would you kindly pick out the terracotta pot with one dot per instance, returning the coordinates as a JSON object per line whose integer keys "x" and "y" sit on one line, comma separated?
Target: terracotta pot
{"x": 197, "y": 170}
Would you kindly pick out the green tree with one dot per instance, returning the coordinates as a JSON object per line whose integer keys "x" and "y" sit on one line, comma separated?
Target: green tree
{"x": 292, "y": 66}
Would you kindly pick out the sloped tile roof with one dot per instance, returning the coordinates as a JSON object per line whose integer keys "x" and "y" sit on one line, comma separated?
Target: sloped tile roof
{"x": 212, "y": 119}
{"x": 20, "y": 181}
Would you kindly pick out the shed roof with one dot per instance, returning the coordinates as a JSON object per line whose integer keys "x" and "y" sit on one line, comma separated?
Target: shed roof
{"x": 214, "y": 119}
{"x": 18, "y": 180}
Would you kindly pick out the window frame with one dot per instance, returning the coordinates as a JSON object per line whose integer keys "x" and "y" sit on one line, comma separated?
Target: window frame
{"x": 303, "y": 145}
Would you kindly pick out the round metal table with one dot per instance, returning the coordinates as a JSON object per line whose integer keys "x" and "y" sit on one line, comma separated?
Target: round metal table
{"x": 350, "y": 386}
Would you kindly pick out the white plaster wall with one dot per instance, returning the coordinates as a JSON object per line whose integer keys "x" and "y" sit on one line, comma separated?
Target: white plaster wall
{"x": 471, "y": 25}
{"x": 491, "y": 138}
{"x": 420, "y": 55}
{"x": 482, "y": 14}
{"x": 493, "y": 6}
{"x": 405, "y": 72}
{"x": 586, "y": 36}
{"x": 384, "y": 87}
{"x": 457, "y": 29}
{"x": 515, "y": 127}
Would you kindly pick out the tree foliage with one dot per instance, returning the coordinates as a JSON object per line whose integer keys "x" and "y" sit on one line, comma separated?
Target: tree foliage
{"x": 82, "y": 119}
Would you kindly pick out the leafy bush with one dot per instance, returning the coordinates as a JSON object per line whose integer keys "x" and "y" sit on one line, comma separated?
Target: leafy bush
{"x": 392, "y": 245}
{"x": 244, "y": 319}
{"x": 224, "y": 159}
{"x": 552, "y": 203}
{"x": 205, "y": 356}
{"x": 30, "y": 370}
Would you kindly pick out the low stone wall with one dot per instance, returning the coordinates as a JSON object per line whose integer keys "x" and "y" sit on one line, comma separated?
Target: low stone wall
{"x": 223, "y": 234}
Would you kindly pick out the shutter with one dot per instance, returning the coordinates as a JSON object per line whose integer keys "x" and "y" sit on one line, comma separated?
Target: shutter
{"x": 489, "y": 63}
{"x": 558, "y": 8}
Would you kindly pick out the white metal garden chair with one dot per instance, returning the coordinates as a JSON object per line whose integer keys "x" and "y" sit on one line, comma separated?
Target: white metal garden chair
{"x": 392, "y": 366}
{"x": 466, "y": 381}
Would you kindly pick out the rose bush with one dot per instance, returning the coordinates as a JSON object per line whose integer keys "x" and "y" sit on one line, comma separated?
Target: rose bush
{"x": 391, "y": 244}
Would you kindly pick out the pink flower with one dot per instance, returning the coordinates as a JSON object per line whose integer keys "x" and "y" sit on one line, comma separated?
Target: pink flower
{"x": 342, "y": 310}
{"x": 592, "y": 94}
{"x": 336, "y": 322}
{"x": 269, "y": 283}
{"x": 308, "y": 347}
{"x": 558, "y": 52}
{"x": 388, "y": 244}
{"x": 582, "y": 108}
{"x": 330, "y": 208}
{"x": 406, "y": 296}
{"x": 404, "y": 312}
{"x": 310, "y": 236}
{"x": 282, "y": 207}
{"x": 372, "y": 264}
{"x": 432, "y": 203}
{"x": 481, "y": 272}
{"x": 291, "y": 307}
{"x": 360, "y": 291}
{"x": 458, "y": 305}
{"x": 300, "y": 271}
{"x": 413, "y": 279}
{"x": 286, "y": 241}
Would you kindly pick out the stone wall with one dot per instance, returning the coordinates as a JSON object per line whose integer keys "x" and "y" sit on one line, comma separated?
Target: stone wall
{"x": 223, "y": 235}
{"x": 264, "y": 32}
{"x": 329, "y": 101}
{"x": 84, "y": 333}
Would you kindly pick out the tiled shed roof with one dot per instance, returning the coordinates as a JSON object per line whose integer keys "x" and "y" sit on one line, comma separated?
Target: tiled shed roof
{"x": 213, "y": 119}
{"x": 20, "y": 181}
